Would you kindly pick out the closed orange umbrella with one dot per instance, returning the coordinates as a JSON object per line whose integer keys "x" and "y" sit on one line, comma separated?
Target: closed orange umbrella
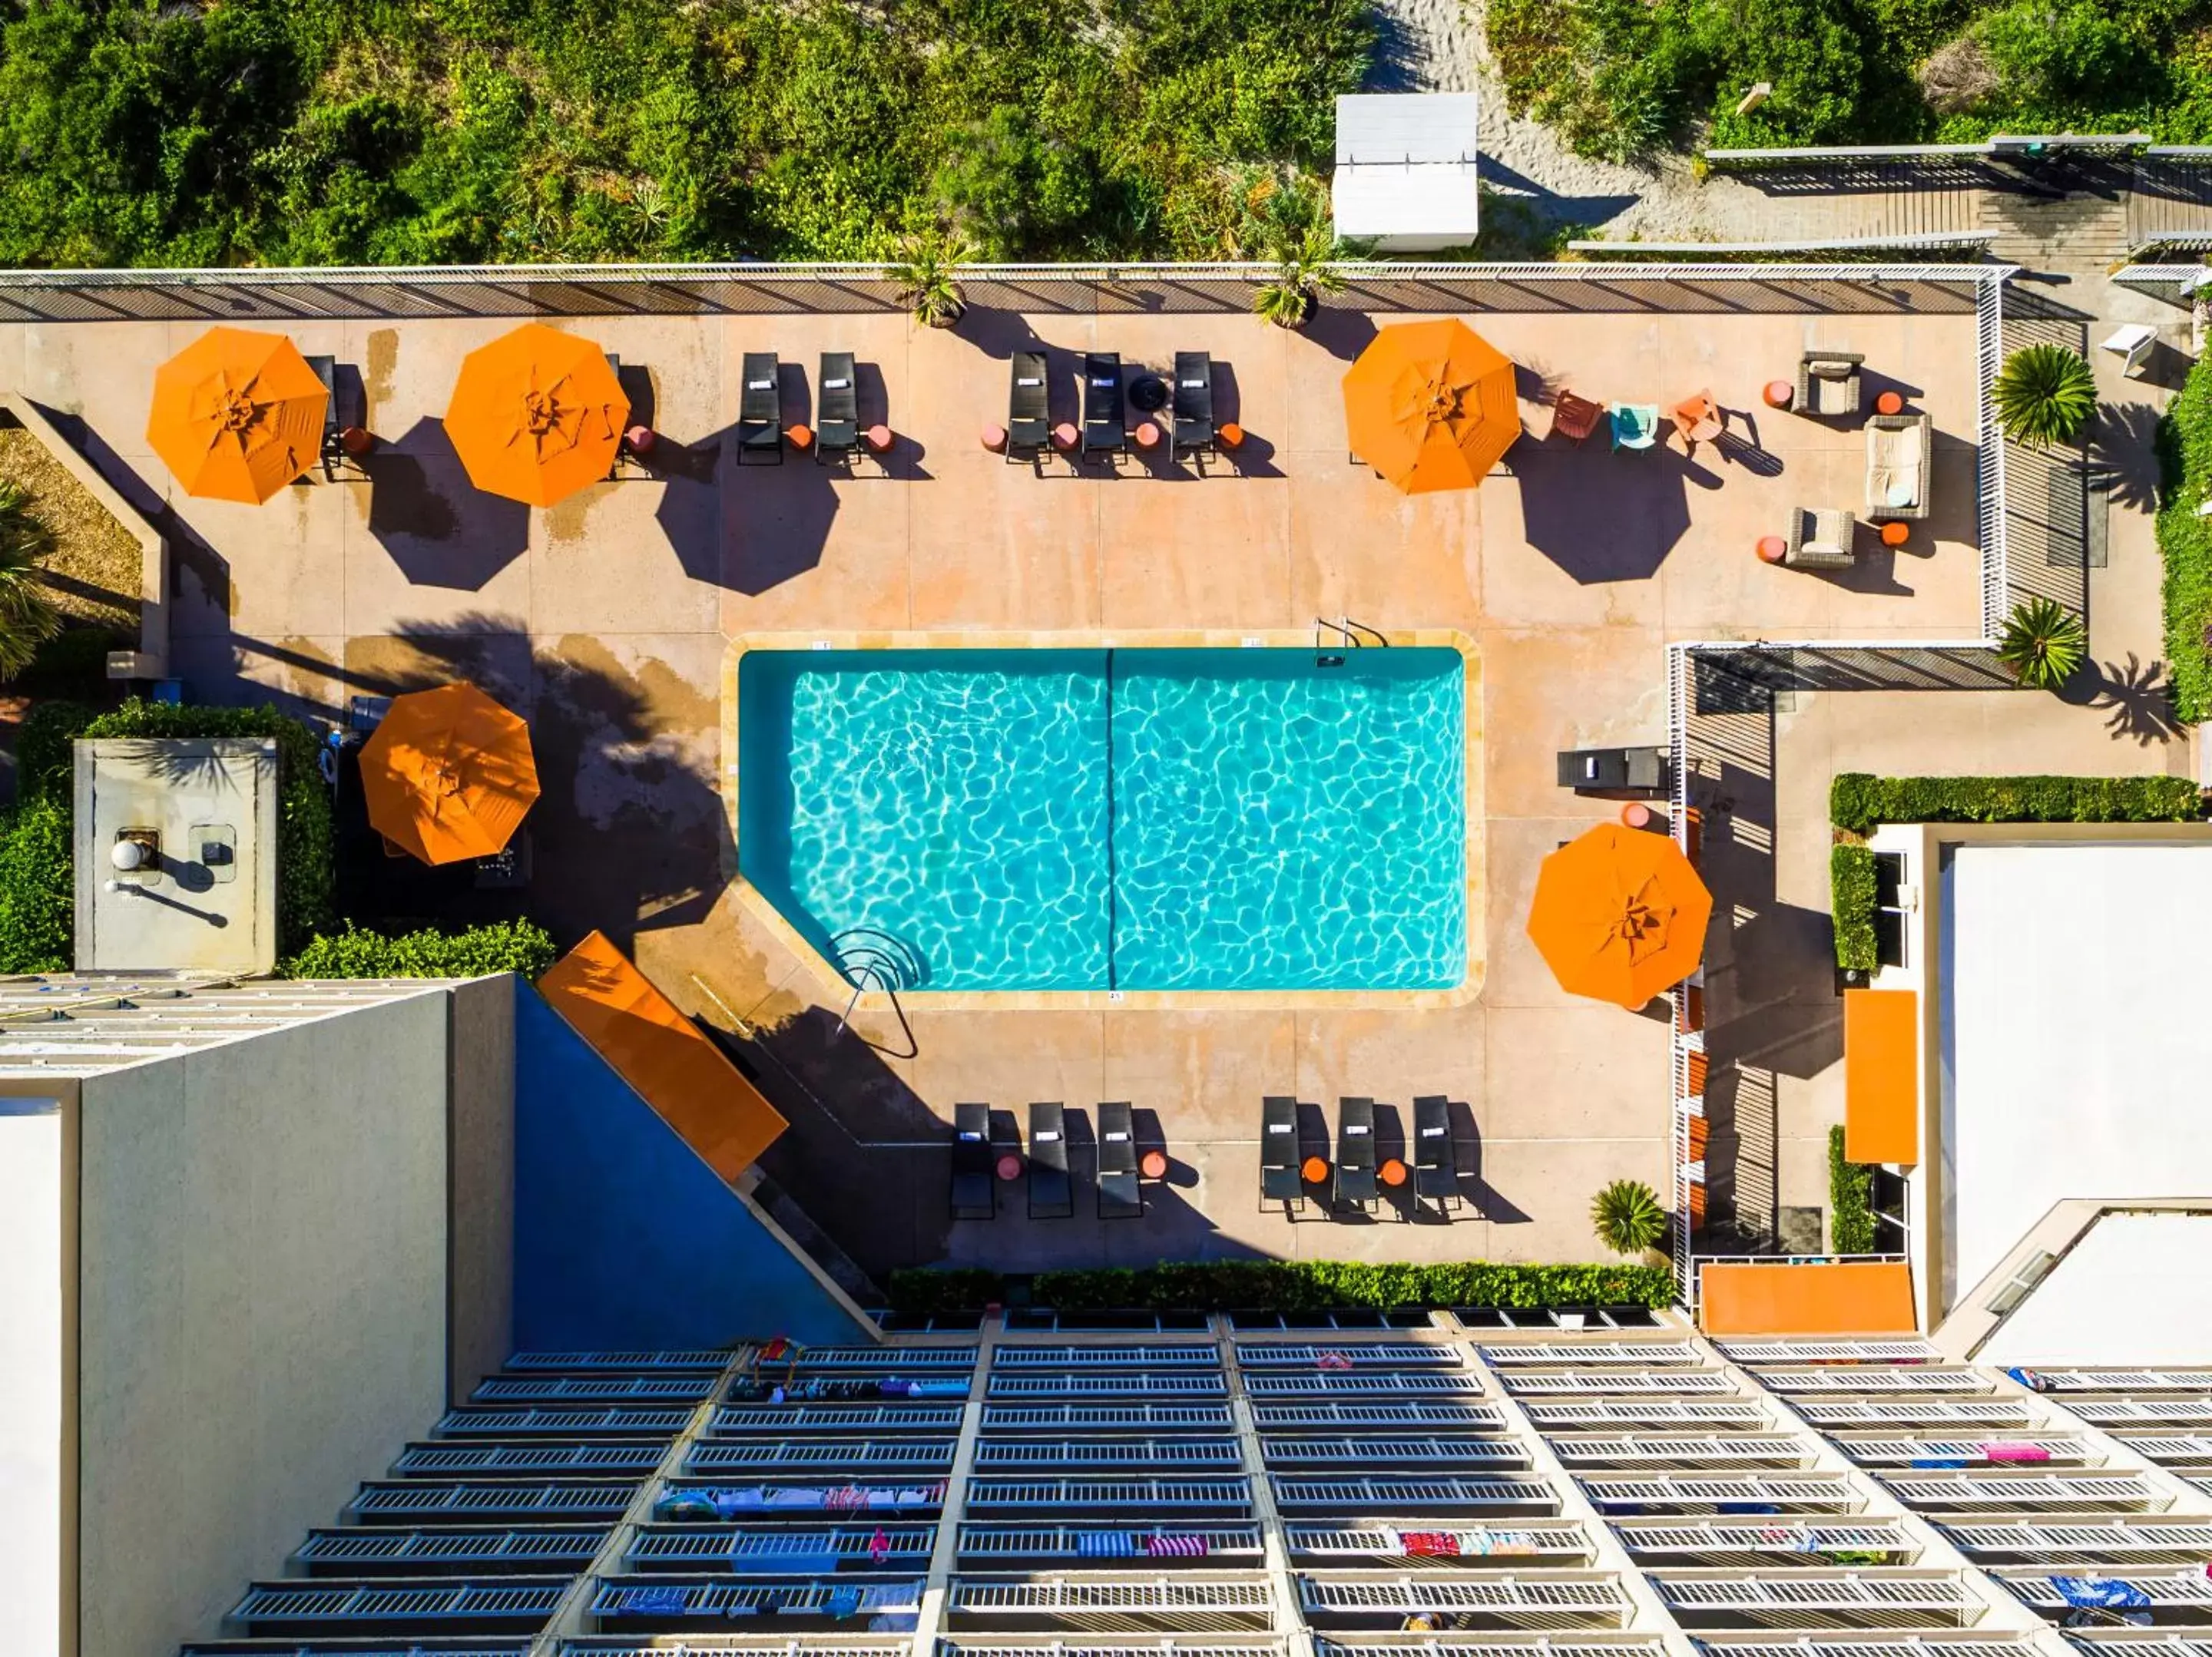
{"x": 448, "y": 775}
{"x": 1620, "y": 915}
{"x": 237, "y": 415}
{"x": 537, "y": 415}
{"x": 1430, "y": 405}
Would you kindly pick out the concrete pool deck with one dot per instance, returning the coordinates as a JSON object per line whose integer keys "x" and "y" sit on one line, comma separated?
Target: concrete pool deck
{"x": 607, "y": 620}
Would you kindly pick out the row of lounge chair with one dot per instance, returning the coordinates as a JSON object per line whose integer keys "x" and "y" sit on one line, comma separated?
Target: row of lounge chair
{"x": 760, "y": 410}
{"x": 985, "y": 1150}
{"x": 1105, "y": 427}
{"x": 1292, "y": 1171}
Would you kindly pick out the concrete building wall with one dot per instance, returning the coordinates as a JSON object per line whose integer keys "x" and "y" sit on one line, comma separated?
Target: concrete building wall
{"x": 481, "y": 1281}
{"x": 37, "y": 1486}
{"x": 263, "y": 1307}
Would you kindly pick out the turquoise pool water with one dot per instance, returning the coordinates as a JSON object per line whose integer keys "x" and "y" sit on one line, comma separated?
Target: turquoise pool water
{"x": 1122, "y": 819}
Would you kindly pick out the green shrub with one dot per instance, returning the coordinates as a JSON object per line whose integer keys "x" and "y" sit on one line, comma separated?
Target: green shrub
{"x": 1850, "y": 1201}
{"x": 1860, "y": 803}
{"x": 44, "y": 761}
{"x": 37, "y": 894}
{"x": 1293, "y": 1286}
{"x": 1851, "y": 900}
{"x": 508, "y": 946}
{"x": 2184, "y": 541}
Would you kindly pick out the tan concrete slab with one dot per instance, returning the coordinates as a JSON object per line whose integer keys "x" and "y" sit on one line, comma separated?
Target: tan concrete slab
{"x": 1581, "y": 1071}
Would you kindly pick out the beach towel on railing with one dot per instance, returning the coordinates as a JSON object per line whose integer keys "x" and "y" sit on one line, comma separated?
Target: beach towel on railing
{"x": 1168, "y": 1546}
{"x": 880, "y": 1547}
{"x": 654, "y": 1602}
{"x": 1428, "y": 1544}
{"x": 1744, "y": 1508}
{"x": 1937, "y": 1464}
{"x": 2015, "y": 1452}
{"x": 686, "y": 1507}
{"x": 2099, "y": 1593}
{"x": 1104, "y": 1545}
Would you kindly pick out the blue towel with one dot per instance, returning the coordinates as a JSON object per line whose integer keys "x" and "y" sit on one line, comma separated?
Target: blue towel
{"x": 2111, "y": 1594}
{"x": 1104, "y": 1545}
{"x": 1939, "y": 1463}
{"x": 655, "y": 1602}
{"x": 938, "y": 1389}
{"x": 843, "y": 1602}
{"x": 1747, "y": 1507}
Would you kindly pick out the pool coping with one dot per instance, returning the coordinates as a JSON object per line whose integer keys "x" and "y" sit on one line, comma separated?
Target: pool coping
{"x": 757, "y": 904}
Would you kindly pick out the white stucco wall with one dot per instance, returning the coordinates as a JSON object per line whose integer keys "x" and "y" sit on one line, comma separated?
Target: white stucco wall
{"x": 263, "y": 1305}
{"x": 33, "y": 1173}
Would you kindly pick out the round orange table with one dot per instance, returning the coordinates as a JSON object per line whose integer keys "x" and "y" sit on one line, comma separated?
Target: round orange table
{"x": 1065, "y": 436}
{"x": 1148, "y": 434}
{"x": 994, "y": 437}
{"x": 1772, "y": 548}
{"x": 1636, "y": 814}
{"x": 877, "y": 438}
{"x": 640, "y": 439}
{"x": 1779, "y": 394}
{"x": 1393, "y": 1172}
{"x": 1895, "y": 533}
{"x": 1153, "y": 1165}
{"x": 1314, "y": 1169}
{"x": 1228, "y": 434}
{"x": 799, "y": 436}
{"x": 1889, "y": 403}
{"x": 1010, "y": 1167}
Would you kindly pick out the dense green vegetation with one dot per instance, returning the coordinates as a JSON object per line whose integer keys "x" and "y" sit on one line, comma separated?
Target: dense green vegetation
{"x": 1851, "y": 894}
{"x": 1292, "y": 1286}
{"x": 506, "y": 946}
{"x": 1857, "y": 802}
{"x": 1619, "y": 76}
{"x": 37, "y": 912}
{"x": 1850, "y": 1201}
{"x": 266, "y": 131}
{"x": 2185, "y": 540}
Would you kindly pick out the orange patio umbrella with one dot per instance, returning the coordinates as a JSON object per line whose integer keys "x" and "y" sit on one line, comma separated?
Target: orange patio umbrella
{"x": 537, "y": 415}
{"x": 237, "y": 415}
{"x": 1619, "y": 914}
{"x": 448, "y": 775}
{"x": 1430, "y": 405}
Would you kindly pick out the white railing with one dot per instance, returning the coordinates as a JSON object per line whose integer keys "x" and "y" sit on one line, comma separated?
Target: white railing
{"x": 2002, "y": 143}
{"x": 1989, "y": 460}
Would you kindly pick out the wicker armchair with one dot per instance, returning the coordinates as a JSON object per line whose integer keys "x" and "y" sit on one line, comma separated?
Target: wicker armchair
{"x": 1821, "y": 539}
{"x": 1828, "y": 384}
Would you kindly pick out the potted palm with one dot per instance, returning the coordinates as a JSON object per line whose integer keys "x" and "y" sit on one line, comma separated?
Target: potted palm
{"x": 2043, "y": 643}
{"x": 1304, "y": 269}
{"x": 2045, "y": 395}
{"x": 28, "y": 617}
{"x": 926, "y": 273}
{"x": 1628, "y": 1217}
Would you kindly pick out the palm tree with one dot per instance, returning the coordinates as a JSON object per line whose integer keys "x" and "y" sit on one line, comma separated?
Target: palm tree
{"x": 1628, "y": 1217}
{"x": 2045, "y": 395}
{"x": 1304, "y": 269}
{"x": 2043, "y": 643}
{"x": 28, "y": 616}
{"x": 926, "y": 271}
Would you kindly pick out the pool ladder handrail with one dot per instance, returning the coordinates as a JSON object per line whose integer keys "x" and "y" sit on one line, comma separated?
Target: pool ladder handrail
{"x": 1352, "y": 630}
{"x": 879, "y": 966}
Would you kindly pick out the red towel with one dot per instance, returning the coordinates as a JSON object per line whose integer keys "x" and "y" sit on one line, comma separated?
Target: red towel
{"x": 1430, "y": 1542}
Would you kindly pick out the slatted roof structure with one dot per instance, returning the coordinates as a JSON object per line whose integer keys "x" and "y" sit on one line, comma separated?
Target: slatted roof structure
{"x": 1385, "y": 1493}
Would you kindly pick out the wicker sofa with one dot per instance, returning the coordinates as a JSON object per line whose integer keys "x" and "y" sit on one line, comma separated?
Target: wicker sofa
{"x": 1898, "y": 474}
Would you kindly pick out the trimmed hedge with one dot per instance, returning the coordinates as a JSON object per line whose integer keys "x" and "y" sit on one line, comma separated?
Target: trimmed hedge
{"x": 1859, "y": 802}
{"x": 38, "y": 898}
{"x": 2184, "y": 542}
{"x": 1851, "y": 894}
{"x": 508, "y": 946}
{"x": 1292, "y": 1286}
{"x": 1850, "y": 1201}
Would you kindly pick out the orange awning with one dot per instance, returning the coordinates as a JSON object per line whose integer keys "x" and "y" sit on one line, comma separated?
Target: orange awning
{"x": 237, "y": 415}
{"x": 448, "y": 774}
{"x": 1836, "y": 1297}
{"x": 1882, "y": 1076}
{"x": 662, "y": 1054}
{"x": 1430, "y": 405}
{"x": 537, "y": 415}
{"x": 1619, "y": 914}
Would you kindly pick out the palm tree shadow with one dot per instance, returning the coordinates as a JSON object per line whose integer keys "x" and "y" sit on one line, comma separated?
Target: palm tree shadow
{"x": 2136, "y": 699}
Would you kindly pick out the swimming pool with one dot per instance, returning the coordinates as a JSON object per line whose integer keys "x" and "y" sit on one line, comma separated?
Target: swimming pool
{"x": 1124, "y": 819}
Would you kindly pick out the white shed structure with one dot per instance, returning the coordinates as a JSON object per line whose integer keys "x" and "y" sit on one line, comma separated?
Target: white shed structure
{"x": 1405, "y": 170}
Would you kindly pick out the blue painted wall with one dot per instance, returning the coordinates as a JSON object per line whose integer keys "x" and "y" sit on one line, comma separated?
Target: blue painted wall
{"x": 622, "y": 1237}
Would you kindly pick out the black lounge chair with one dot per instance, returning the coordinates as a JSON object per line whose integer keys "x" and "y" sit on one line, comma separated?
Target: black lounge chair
{"x": 326, "y": 370}
{"x": 1193, "y": 404}
{"x": 759, "y": 411}
{"x": 975, "y": 1196}
{"x": 1029, "y": 408}
{"x": 1281, "y": 1180}
{"x": 1355, "y": 1152}
{"x": 836, "y": 409}
{"x": 1121, "y": 1196}
{"x": 1105, "y": 423}
{"x": 1436, "y": 1152}
{"x": 1052, "y": 1194}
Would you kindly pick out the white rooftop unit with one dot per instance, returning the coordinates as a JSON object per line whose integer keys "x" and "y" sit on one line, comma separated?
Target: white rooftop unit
{"x": 1405, "y": 169}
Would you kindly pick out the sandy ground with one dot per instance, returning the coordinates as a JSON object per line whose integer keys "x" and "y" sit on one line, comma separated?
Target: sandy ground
{"x": 1437, "y": 45}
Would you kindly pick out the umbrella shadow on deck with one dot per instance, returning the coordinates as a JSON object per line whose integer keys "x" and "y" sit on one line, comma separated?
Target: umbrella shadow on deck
{"x": 438, "y": 527}
{"x": 1602, "y": 515}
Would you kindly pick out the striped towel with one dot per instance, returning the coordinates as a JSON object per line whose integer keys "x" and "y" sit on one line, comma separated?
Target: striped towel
{"x": 1176, "y": 1547}
{"x": 1104, "y": 1545}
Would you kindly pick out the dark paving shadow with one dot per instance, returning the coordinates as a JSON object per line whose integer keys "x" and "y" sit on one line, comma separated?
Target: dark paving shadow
{"x": 1344, "y": 334}
{"x": 437, "y": 526}
{"x": 2123, "y": 455}
{"x": 1602, "y": 516}
{"x": 772, "y": 523}
{"x": 1547, "y": 204}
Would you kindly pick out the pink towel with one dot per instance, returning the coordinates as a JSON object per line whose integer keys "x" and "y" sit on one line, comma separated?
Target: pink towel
{"x": 2015, "y": 1452}
{"x": 1176, "y": 1547}
{"x": 1333, "y": 1361}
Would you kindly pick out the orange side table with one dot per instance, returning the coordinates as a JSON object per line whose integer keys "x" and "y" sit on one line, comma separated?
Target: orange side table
{"x": 1314, "y": 1169}
{"x": 994, "y": 437}
{"x": 800, "y": 436}
{"x": 1772, "y": 548}
{"x": 1393, "y": 1172}
{"x": 1228, "y": 434}
{"x": 1779, "y": 394}
{"x": 1153, "y": 1165}
{"x": 1895, "y": 531}
{"x": 878, "y": 439}
{"x": 1889, "y": 403}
